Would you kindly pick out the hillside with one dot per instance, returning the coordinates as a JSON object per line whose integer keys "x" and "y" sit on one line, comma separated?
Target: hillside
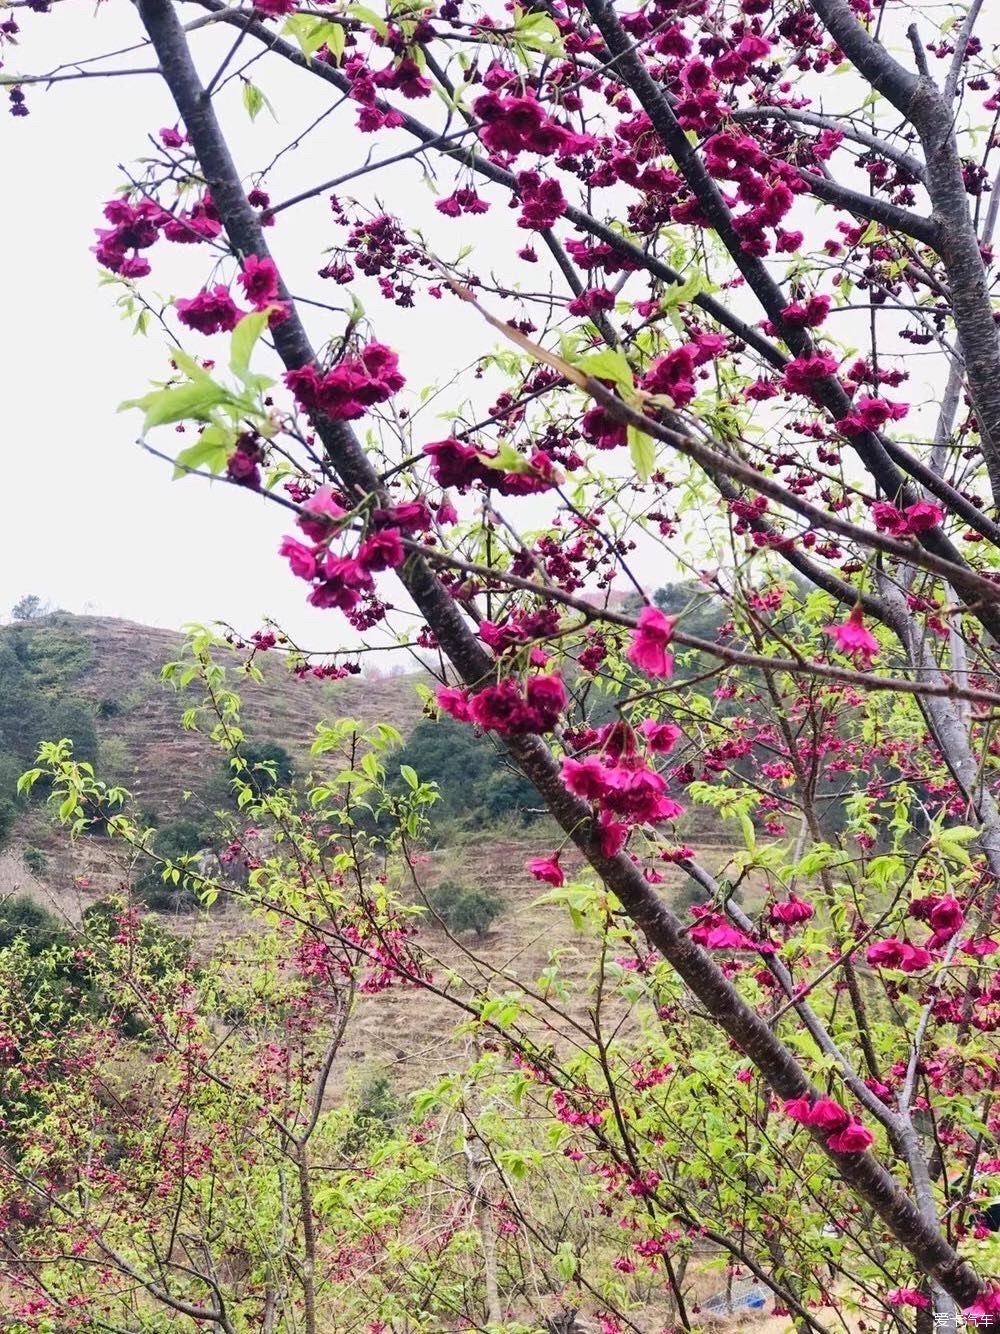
{"x": 283, "y": 708}
{"x": 114, "y": 666}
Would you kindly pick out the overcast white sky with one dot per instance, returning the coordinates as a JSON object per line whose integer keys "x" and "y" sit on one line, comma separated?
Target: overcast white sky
{"x": 90, "y": 521}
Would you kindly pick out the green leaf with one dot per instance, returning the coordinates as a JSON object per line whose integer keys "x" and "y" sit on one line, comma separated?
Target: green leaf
{"x": 608, "y": 364}
{"x": 312, "y": 33}
{"x": 642, "y": 450}
{"x": 680, "y": 294}
{"x": 565, "y": 1261}
{"x": 244, "y": 339}
{"x": 211, "y": 451}
{"x": 186, "y": 402}
{"x": 409, "y": 776}
{"x": 253, "y": 100}
{"x": 366, "y": 15}
{"x": 537, "y": 32}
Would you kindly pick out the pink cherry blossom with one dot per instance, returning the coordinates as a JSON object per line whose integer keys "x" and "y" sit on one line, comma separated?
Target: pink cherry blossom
{"x": 259, "y": 279}
{"x": 852, "y": 638}
{"x": 854, "y": 1138}
{"x": 648, "y": 650}
{"x": 791, "y": 910}
{"x": 300, "y": 558}
{"x": 547, "y": 869}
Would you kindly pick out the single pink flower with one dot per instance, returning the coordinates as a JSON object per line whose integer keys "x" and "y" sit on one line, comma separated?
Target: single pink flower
{"x": 382, "y": 551}
{"x": 888, "y": 519}
{"x": 854, "y": 1138}
{"x": 894, "y": 953}
{"x": 648, "y": 650}
{"x": 547, "y": 869}
{"x": 454, "y": 702}
{"x": 547, "y": 696}
{"x": 209, "y": 312}
{"x": 923, "y": 515}
{"x": 317, "y": 514}
{"x": 908, "y": 1297}
{"x": 852, "y": 638}
{"x": 986, "y": 1304}
{"x": 791, "y": 910}
{"x": 660, "y": 737}
{"x": 914, "y": 959}
{"x": 798, "y": 1109}
{"x": 299, "y": 557}
{"x": 587, "y": 778}
{"x": 727, "y": 937}
{"x": 259, "y": 280}
{"x": 826, "y": 1114}
{"x": 947, "y": 917}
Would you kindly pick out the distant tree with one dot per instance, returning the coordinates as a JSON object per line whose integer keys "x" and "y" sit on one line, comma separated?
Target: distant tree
{"x": 505, "y": 793}
{"x": 29, "y": 608}
{"x": 376, "y": 1110}
{"x": 442, "y": 751}
{"x": 269, "y": 766}
{"x": 180, "y": 838}
{"x": 35, "y": 860}
{"x": 464, "y": 909}
{"x": 21, "y": 916}
{"x": 173, "y": 842}
{"x": 73, "y": 718}
{"x": 472, "y": 778}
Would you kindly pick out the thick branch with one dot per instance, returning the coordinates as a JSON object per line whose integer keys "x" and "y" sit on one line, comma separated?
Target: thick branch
{"x": 860, "y": 135}
{"x": 873, "y": 209}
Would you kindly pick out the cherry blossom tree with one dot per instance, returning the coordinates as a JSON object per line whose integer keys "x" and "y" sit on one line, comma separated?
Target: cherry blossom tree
{"x": 744, "y": 333}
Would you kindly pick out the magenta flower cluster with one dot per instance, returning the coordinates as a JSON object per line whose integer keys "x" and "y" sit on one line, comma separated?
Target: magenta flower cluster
{"x": 350, "y": 388}
{"x": 842, "y": 1132}
{"x": 509, "y": 708}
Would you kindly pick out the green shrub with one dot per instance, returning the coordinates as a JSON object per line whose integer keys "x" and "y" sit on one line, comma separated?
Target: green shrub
{"x": 376, "y": 1110}
{"x": 464, "y": 909}
{"x": 269, "y": 766}
{"x": 116, "y": 762}
{"x": 21, "y": 916}
{"x": 35, "y": 860}
{"x": 53, "y": 655}
{"x": 475, "y": 782}
{"x": 173, "y": 842}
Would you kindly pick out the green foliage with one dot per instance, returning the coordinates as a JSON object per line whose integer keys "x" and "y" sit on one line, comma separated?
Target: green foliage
{"x": 473, "y": 781}
{"x": 30, "y": 607}
{"x": 269, "y": 766}
{"x": 376, "y": 1109}
{"x": 38, "y": 662}
{"x": 180, "y": 838}
{"x": 20, "y": 916}
{"x": 116, "y": 760}
{"x": 52, "y": 654}
{"x": 35, "y": 860}
{"x": 464, "y": 909}
{"x": 73, "y": 718}
{"x": 176, "y": 842}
